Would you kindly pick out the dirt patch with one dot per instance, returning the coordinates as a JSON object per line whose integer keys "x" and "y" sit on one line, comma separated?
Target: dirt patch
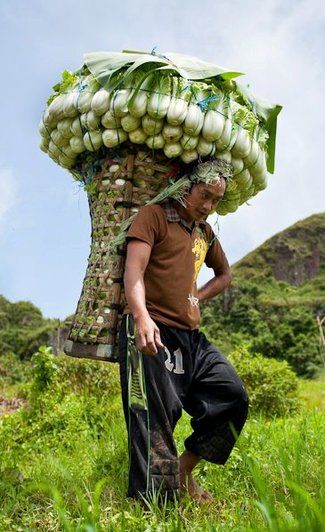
{"x": 8, "y": 406}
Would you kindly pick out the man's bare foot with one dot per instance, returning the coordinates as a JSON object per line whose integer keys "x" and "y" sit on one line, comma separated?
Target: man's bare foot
{"x": 188, "y": 485}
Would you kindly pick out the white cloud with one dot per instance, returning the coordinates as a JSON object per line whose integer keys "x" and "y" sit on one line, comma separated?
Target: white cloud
{"x": 8, "y": 195}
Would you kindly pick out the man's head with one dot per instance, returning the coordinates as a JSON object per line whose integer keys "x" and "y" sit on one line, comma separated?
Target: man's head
{"x": 207, "y": 185}
{"x": 203, "y": 198}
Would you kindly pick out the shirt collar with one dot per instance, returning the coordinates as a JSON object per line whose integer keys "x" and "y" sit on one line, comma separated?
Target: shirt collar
{"x": 173, "y": 216}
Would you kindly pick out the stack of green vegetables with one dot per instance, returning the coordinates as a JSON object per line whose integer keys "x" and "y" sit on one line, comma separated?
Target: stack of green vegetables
{"x": 176, "y": 103}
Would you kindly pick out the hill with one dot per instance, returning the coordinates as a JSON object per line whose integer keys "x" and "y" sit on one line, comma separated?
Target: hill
{"x": 294, "y": 255}
{"x": 23, "y": 328}
{"x": 276, "y": 294}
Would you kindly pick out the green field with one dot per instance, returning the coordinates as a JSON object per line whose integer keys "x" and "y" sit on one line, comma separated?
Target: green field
{"x": 64, "y": 464}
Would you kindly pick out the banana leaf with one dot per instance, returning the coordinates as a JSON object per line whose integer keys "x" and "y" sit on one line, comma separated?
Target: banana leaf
{"x": 110, "y": 68}
{"x": 197, "y": 69}
{"x": 103, "y": 64}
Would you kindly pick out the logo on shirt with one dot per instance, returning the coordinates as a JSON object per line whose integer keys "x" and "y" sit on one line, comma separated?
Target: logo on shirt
{"x": 199, "y": 250}
{"x": 193, "y": 300}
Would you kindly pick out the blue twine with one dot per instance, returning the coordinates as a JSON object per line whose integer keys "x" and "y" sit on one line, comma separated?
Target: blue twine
{"x": 203, "y": 104}
{"x": 90, "y": 173}
{"x": 188, "y": 86}
{"x": 153, "y": 52}
{"x": 82, "y": 86}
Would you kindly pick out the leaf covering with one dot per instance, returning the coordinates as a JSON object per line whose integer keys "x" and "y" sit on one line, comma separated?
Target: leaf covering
{"x": 114, "y": 69}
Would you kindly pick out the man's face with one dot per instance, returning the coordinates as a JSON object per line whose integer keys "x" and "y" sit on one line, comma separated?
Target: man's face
{"x": 203, "y": 199}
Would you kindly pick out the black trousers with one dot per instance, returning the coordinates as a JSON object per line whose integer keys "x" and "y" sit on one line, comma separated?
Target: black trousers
{"x": 190, "y": 374}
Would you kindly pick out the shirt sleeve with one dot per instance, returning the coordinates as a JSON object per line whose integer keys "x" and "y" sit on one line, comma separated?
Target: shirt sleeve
{"x": 215, "y": 257}
{"x": 145, "y": 226}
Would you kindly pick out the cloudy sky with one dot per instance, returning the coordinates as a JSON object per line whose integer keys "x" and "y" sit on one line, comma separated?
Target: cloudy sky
{"x": 44, "y": 218}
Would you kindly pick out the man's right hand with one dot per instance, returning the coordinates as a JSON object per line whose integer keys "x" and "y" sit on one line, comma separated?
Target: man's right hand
{"x": 147, "y": 337}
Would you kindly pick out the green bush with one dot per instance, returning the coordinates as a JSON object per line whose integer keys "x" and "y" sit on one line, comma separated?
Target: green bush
{"x": 264, "y": 315}
{"x": 23, "y": 328}
{"x": 13, "y": 370}
{"x": 59, "y": 375}
{"x": 271, "y": 385}
{"x": 70, "y": 404}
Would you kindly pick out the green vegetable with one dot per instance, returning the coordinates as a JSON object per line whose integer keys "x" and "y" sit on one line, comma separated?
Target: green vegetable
{"x": 171, "y": 102}
{"x": 100, "y": 102}
{"x": 155, "y": 142}
{"x": 152, "y": 126}
{"x": 172, "y": 133}
{"x": 130, "y": 122}
{"x": 194, "y": 120}
{"x": 114, "y": 137}
{"x": 213, "y": 126}
{"x": 160, "y": 98}
{"x": 189, "y": 155}
{"x": 138, "y": 136}
{"x": 68, "y": 81}
{"x": 173, "y": 149}
{"x": 92, "y": 140}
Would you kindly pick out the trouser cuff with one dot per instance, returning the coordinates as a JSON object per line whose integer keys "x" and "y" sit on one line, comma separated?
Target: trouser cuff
{"x": 213, "y": 448}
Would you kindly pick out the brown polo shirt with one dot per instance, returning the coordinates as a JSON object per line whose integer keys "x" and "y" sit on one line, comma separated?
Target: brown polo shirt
{"x": 177, "y": 255}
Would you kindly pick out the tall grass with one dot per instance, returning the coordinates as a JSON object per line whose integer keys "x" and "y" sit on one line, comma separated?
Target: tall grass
{"x": 64, "y": 467}
{"x": 271, "y": 482}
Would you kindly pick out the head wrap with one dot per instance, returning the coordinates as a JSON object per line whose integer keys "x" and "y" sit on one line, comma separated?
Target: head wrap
{"x": 211, "y": 171}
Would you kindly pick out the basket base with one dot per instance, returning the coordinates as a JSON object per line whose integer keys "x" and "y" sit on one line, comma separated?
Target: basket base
{"x": 105, "y": 352}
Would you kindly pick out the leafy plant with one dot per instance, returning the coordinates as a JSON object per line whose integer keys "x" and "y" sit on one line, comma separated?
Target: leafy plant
{"x": 271, "y": 385}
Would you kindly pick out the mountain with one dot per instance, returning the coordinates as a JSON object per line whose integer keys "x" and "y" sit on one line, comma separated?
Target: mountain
{"x": 294, "y": 255}
{"x": 276, "y": 294}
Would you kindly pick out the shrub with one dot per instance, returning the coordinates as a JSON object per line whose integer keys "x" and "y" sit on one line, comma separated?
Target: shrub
{"x": 13, "y": 370}
{"x": 71, "y": 402}
{"x": 271, "y": 385}
{"x": 271, "y": 318}
{"x": 32, "y": 339}
{"x": 305, "y": 356}
{"x": 60, "y": 375}
{"x": 23, "y": 328}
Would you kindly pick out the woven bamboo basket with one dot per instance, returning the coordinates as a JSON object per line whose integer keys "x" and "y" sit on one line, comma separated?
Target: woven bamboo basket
{"x": 117, "y": 190}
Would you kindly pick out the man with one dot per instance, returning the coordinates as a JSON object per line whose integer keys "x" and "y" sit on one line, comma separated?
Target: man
{"x": 166, "y": 363}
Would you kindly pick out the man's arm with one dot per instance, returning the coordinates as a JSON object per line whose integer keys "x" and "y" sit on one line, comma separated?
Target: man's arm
{"x": 222, "y": 274}
{"x": 216, "y": 285}
{"x": 147, "y": 332}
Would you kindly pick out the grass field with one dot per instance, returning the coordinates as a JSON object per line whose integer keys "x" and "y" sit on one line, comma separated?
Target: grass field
{"x": 64, "y": 467}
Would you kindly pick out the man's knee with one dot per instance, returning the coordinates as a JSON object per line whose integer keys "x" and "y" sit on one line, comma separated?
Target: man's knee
{"x": 239, "y": 396}
{"x": 243, "y": 401}
{"x": 241, "y": 393}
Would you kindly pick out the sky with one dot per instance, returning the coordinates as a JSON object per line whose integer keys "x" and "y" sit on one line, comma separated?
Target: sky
{"x": 44, "y": 214}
